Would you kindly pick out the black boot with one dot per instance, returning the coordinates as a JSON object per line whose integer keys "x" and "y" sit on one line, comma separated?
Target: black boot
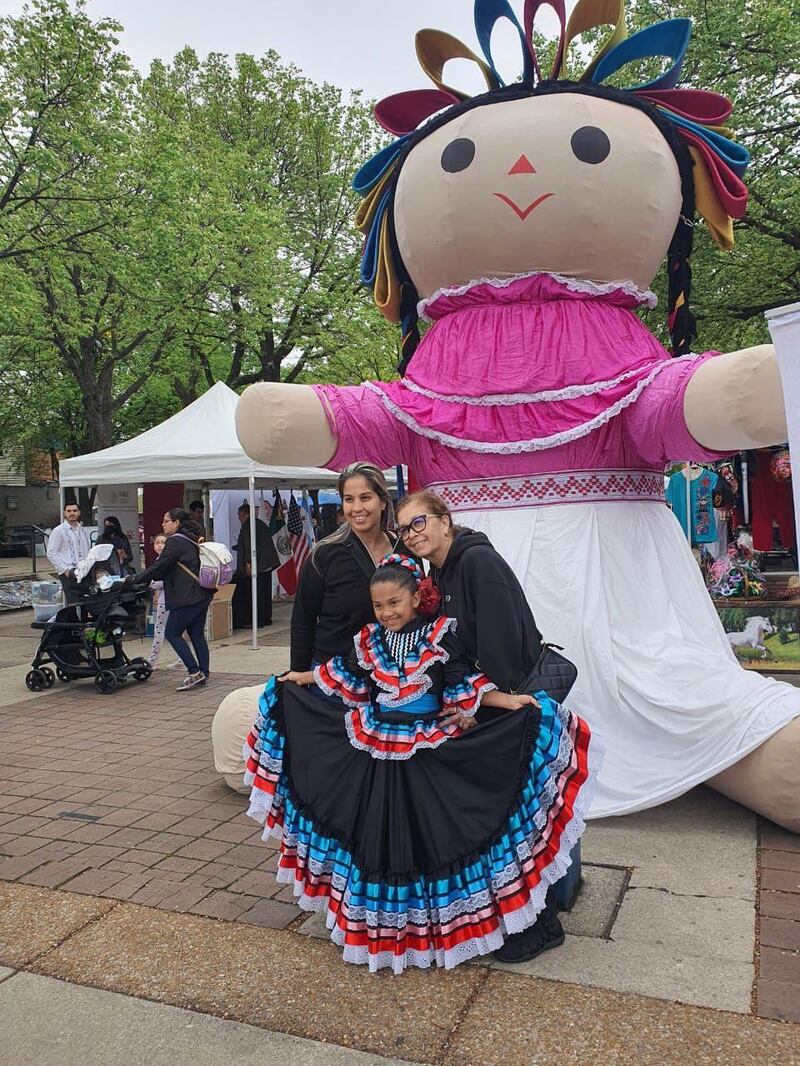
{"x": 547, "y": 932}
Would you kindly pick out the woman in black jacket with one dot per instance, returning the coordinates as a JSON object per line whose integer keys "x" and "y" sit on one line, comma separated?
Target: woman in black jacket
{"x": 113, "y": 534}
{"x": 496, "y": 629}
{"x": 332, "y": 601}
{"x": 184, "y": 597}
{"x": 478, "y": 587}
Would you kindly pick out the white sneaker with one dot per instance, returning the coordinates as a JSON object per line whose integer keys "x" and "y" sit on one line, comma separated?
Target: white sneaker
{"x": 175, "y": 665}
{"x": 191, "y": 681}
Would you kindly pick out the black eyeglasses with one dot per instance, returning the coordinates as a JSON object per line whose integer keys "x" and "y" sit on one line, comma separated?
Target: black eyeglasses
{"x": 416, "y": 525}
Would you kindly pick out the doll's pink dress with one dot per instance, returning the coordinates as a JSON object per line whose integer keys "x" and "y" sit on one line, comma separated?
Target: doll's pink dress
{"x": 544, "y": 412}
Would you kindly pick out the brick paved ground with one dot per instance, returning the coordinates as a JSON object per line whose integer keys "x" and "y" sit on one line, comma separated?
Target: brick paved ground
{"x": 117, "y": 796}
{"x": 778, "y": 993}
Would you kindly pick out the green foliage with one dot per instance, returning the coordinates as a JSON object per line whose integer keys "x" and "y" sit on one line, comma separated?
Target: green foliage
{"x": 160, "y": 234}
{"x": 747, "y": 50}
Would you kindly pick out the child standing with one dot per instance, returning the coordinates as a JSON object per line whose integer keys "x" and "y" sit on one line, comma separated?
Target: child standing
{"x": 425, "y": 837}
{"x": 161, "y": 612}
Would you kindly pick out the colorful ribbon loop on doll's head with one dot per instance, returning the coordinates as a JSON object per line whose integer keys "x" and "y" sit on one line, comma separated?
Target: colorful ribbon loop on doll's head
{"x": 697, "y": 115}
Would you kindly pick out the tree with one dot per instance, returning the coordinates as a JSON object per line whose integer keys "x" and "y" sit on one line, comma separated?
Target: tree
{"x": 747, "y": 50}
{"x": 270, "y": 157}
{"x": 60, "y": 81}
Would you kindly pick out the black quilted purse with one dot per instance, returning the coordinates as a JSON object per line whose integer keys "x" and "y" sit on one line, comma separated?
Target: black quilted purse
{"x": 553, "y": 674}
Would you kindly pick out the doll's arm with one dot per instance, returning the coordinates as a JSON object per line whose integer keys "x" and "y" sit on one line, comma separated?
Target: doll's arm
{"x": 735, "y": 401}
{"x": 320, "y": 425}
{"x": 279, "y": 424}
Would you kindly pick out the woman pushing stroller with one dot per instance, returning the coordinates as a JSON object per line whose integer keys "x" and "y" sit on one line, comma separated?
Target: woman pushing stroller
{"x": 186, "y": 600}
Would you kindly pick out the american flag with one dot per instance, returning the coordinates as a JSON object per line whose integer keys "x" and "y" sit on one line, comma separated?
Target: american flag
{"x": 295, "y": 526}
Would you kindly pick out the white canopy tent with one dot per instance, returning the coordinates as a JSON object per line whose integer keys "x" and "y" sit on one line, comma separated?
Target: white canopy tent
{"x": 199, "y": 443}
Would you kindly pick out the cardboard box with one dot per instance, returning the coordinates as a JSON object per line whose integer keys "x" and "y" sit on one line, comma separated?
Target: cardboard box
{"x": 219, "y": 622}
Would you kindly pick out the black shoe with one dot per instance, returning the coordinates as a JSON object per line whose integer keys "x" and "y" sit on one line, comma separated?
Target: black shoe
{"x": 524, "y": 946}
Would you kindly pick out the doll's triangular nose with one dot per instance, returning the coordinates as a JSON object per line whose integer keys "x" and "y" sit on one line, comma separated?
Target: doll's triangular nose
{"x": 523, "y": 166}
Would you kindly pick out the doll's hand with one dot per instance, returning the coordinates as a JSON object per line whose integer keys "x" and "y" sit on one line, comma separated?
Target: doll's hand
{"x": 304, "y": 677}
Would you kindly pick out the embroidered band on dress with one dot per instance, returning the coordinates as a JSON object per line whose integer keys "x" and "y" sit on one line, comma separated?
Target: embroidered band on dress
{"x": 542, "y": 490}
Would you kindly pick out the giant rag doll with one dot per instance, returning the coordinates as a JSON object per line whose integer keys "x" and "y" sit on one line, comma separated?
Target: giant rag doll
{"x": 526, "y": 224}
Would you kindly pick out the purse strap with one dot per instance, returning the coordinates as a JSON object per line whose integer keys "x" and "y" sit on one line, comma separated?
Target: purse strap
{"x": 191, "y": 573}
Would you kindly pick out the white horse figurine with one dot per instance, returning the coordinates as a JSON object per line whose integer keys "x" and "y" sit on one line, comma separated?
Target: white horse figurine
{"x": 754, "y": 633}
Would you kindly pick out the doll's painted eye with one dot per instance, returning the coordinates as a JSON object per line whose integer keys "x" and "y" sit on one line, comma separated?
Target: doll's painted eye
{"x": 590, "y": 144}
{"x": 458, "y": 155}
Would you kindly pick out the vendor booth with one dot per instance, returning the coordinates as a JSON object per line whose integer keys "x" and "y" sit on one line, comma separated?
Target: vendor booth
{"x": 199, "y": 443}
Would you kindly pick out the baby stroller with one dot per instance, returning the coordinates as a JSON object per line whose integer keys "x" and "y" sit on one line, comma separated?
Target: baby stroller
{"x": 85, "y": 639}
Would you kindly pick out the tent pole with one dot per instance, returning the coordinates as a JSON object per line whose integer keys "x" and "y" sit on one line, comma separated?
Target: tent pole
{"x": 251, "y": 485}
{"x": 207, "y": 511}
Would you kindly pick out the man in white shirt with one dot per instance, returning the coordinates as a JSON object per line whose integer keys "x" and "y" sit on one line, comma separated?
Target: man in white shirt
{"x": 68, "y": 545}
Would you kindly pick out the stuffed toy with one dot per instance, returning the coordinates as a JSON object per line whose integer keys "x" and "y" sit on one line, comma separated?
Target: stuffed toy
{"x": 525, "y": 225}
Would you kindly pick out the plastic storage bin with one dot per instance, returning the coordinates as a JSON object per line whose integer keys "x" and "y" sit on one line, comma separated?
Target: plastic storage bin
{"x": 47, "y": 598}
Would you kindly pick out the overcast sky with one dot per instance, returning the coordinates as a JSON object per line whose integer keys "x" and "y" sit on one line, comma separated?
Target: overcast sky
{"x": 367, "y": 44}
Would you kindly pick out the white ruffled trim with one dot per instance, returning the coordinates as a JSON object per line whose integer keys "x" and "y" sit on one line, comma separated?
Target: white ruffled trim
{"x": 446, "y": 706}
{"x": 514, "y": 447}
{"x": 391, "y": 756}
{"x": 512, "y": 399}
{"x": 329, "y": 690}
{"x": 595, "y": 288}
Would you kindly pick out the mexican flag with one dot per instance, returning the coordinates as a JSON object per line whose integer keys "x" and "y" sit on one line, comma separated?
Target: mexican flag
{"x": 287, "y": 574}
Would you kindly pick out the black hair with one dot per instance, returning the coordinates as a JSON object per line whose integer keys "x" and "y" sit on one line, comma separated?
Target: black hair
{"x": 177, "y": 514}
{"x": 113, "y": 521}
{"x": 681, "y": 320}
{"x": 197, "y": 505}
{"x": 193, "y": 527}
{"x": 398, "y": 575}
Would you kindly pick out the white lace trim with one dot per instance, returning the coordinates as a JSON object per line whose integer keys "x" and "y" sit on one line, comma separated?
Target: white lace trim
{"x": 392, "y": 756}
{"x": 447, "y": 704}
{"x": 331, "y": 690}
{"x": 511, "y": 399}
{"x": 260, "y": 805}
{"x": 514, "y": 447}
{"x": 595, "y": 288}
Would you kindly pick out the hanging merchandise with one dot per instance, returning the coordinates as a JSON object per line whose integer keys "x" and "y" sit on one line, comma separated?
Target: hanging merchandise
{"x": 780, "y": 465}
{"x": 724, "y": 511}
{"x": 772, "y": 504}
{"x": 701, "y": 522}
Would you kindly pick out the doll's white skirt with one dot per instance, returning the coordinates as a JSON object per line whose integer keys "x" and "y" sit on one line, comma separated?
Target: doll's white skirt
{"x": 616, "y": 585}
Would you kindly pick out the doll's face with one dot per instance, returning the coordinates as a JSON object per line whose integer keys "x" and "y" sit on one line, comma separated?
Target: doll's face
{"x": 565, "y": 183}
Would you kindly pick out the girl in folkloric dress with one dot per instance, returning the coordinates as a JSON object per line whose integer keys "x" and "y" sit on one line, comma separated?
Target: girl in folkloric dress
{"x": 426, "y": 838}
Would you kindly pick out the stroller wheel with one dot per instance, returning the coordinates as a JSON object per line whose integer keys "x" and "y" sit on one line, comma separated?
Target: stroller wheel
{"x": 62, "y": 675}
{"x": 50, "y": 677}
{"x": 143, "y": 672}
{"x": 36, "y": 680}
{"x": 106, "y": 681}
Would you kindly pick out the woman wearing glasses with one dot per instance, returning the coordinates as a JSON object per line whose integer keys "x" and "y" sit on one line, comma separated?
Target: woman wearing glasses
{"x": 333, "y": 601}
{"x": 496, "y": 629}
{"x": 478, "y": 587}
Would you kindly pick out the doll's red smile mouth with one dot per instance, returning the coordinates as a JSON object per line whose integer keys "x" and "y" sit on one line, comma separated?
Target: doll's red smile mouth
{"x": 523, "y": 212}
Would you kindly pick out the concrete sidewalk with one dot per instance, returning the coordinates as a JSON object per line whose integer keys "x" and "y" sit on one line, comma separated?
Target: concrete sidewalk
{"x": 45, "y": 1022}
